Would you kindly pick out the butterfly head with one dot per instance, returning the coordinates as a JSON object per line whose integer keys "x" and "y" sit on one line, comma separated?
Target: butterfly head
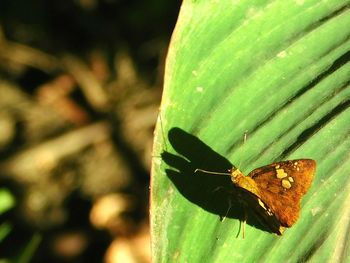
{"x": 242, "y": 181}
{"x": 235, "y": 174}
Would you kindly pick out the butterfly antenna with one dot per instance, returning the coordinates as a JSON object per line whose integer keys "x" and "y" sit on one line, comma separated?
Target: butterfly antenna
{"x": 210, "y": 172}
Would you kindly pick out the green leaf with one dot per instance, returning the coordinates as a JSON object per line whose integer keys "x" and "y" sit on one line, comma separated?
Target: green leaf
{"x": 5, "y": 229}
{"x": 278, "y": 71}
{"x": 7, "y": 201}
{"x": 29, "y": 250}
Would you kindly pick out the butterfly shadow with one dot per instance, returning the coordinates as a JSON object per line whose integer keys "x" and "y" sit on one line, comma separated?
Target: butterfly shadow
{"x": 214, "y": 193}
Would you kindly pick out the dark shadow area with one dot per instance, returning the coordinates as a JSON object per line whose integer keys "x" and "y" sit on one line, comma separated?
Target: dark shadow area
{"x": 213, "y": 193}
{"x": 336, "y": 65}
{"x": 306, "y": 134}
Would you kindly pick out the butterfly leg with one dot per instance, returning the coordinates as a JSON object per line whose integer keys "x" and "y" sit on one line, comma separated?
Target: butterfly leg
{"x": 228, "y": 209}
{"x": 239, "y": 229}
{"x": 244, "y": 223}
{"x": 218, "y": 188}
{"x": 229, "y": 203}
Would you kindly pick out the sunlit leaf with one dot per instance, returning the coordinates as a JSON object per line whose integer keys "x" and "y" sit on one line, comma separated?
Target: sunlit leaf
{"x": 278, "y": 71}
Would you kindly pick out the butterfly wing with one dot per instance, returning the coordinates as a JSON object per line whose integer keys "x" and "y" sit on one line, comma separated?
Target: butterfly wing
{"x": 261, "y": 211}
{"x": 281, "y": 186}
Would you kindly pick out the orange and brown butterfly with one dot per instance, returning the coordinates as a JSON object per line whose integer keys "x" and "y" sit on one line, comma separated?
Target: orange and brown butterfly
{"x": 274, "y": 191}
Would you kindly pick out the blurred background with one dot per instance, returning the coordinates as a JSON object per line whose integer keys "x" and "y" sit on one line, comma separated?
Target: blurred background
{"x": 80, "y": 87}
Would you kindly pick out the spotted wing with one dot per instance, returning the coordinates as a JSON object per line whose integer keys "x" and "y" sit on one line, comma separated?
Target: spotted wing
{"x": 281, "y": 186}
